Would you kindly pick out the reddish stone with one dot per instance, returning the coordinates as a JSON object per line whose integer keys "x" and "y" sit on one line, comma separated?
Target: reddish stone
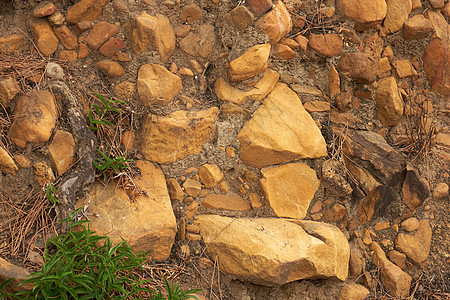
{"x": 436, "y": 58}
{"x": 45, "y": 39}
{"x": 282, "y": 51}
{"x": 83, "y": 26}
{"x": 44, "y": 9}
{"x": 276, "y": 23}
{"x": 111, "y": 47}
{"x": 101, "y": 32}
{"x": 67, "y": 38}
{"x": 190, "y": 13}
{"x": 83, "y": 51}
{"x": 259, "y": 7}
{"x": 302, "y": 42}
{"x": 326, "y": 44}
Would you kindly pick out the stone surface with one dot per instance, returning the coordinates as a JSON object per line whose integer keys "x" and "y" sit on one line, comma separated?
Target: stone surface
{"x": 7, "y": 164}
{"x": 388, "y": 101}
{"x": 276, "y": 23}
{"x": 369, "y": 12}
{"x": 148, "y": 223}
{"x": 181, "y": 133}
{"x": 417, "y": 27}
{"x": 398, "y": 258}
{"x": 359, "y": 66}
{"x": 210, "y": 175}
{"x": 8, "y": 90}
{"x": 280, "y": 131}
{"x": 62, "y": 151}
{"x": 383, "y": 66}
{"x": 53, "y": 70}
{"x": 111, "y": 47}
{"x": 175, "y": 190}
{"x": 156, "y": 84}
{"x": 356, "y": 265}
{"x": 111, "y": 68}
{"x": 334, "y": 82}
{"x": 259, "y": 7}
{"x": 67, "y": 38}
{"x": 8, "y": 270}
{"x": 282, "y": 252}
{"x": 440, "y": 191}
{"x": 403, "y": 68}
{"x": 415, "y": 189}
{"x": 12, "y": 43}
{"x": 153, "y": 32}
{"x": 192, "y": 187}
{"x": 83, "y": 51}
{"x": 440, "y": 24}
{"x": 437, "y": 4}
{"x": 435, "y": 59}
{"x": 353, "y": 291}
{"x": 190, "y": 13}
{"x": 200, "y": 43}
{"x": 394, "y": 279}
{"x": 240, "y": 17}
{"x": 261, "y": 89}
{"x": 85, "y": 10}
{"x": 44, "y": 9}
{"x": 289, "y": 189}
{"x": 344, "y": 101}
{"x": 101, "y": 32}
{"x": 335, "y": 213}
{"x": 45, "y": 39}
{"x": 251, "y": 63}
{"x": 43, "y": 174}
{"x": 282, "y": 51}
{"x": 125, "y": 90}
{"x": 330, "y": 44}
{"x": 396, "y": 15}
{"x": 410, "y": 224}
{"x": 68, "y": 55}
{"x": 416, "y": 245}
{"x": 317, "y": 106}
{"x": 230, "y": 201}
{"x": 34, "y": 118}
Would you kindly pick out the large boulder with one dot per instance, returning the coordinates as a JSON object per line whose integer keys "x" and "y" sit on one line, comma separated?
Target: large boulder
{"x": 368, "y": 12}
{"x": 275, "y": 251}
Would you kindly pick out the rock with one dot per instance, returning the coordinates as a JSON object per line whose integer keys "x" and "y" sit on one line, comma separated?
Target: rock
{"x": 335, "y": 213}
{"x": 175, "y": 190}
{"x": 83, "y": 51}
{"x": 181, "y": 133}
{"x": 8, "y": 90}
{"x": 282, "y": 51}
{"x": 190, "y": 13}
{"x": 148, "y": 223}
{"x": 230, "y": 201}
{"x": 416, "y": 245}
{"x": 101, "y": 32}
{"x": 415, "y": 189}
{"x": 439, "y": 23}
{"x": 272, "y": 252}
{"x": 62, "y": 151}
{"x": 289, "y": 189}
{"x": 317, "y": 106}
{"x": 12, "y": 43}
{"x": 191, "y": 210}
{"x": 125, "y": 90}
{"x": 255, "y": 200}
{"x": 410, "y": 224}
{"x": 43, "y": 174}
{"x": 53, "y": 70}
{"x": 224, "y": 187}
{"x": 396, "y": 15}
{"x": 382, "y": 226}
{"x": 394, "y": 279}
{"x": 443, "y": 139}
{"x": 111, "y": 47}
{"x": 353, "y": 291}
{"x": 240, "y": 17}
{"x": 404, "y": 68}
{"x": 7, "y": 164}
{"x": 57, "y": 19}
{"x": 45, "y": 39}
{"x": 356, "y": 265}
{"x": 334, "y": 82}
{"x": 302, "y": 42}
{"x": 259, "y": 7}
{"x": 85, "y": 10}
{"x": 111, "y": 68}
{"x": 82, "y": 26}
{"x": 383, "y": 66}
{"x": 280, "y": 131}
{"x": 192, "y": 187}
{"x": 210, "y": 175}
{"x": 128, "y": 139}
{"x": 122, "y": 57}
{"x": 44, "y": 9}
{"x": 435, "y": 59}
{"x": 34, "y": 118}
{"x": 330, "y": 44}
{"x": 389, "y": 103}
{"x": 251, "y": 63}
{"x": 67, "y": 38}
{"x": 417, "y": 27}
{"x": 276, "y": 23}
{"x": 7, "y": 271}
{"x": 368, "y": 12}
{"x": 398, "y": 258}
{"x": 333, "y": 177}
{"x": 437, "y": 4}
{"x": 440, "y": 191}
{"x": 359, "y": 66}
{"x": 344, "y": 101}
{"x": 156, "y": 84}
{"x": 199, "y": 43}
{"x": 68, "y": 55}
{"x": 261, "y": 89}
{"x": 153, "y": 32}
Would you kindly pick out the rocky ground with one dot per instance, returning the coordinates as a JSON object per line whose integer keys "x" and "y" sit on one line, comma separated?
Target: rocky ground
{"x": 261, "y": 150}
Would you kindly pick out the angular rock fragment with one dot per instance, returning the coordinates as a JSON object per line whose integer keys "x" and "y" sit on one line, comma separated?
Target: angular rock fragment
{"x": 45, "y": 39}
{"x": 85, "y": 10}
{"x": 101, "y": 32}
{"x": 415, "y": 189}
{"x": 251, "y": 63}
{"x": 8, "y": 90}
{"x": 8, "y": 270}
{"x": 200, "y": 43}
{"x": 396, "y": 15}
{"x": 210, "y": 175}
{"x": 7, "y": 164}
{"x": 12, "y": 43}
{"x": 358, "y": 66}
{"x": 416, "y": 245}
{"x": 436, "y": 58}
{"x": 417, "y": 27}
{"x": 326, "y": 44}
{"x": 389, "y": 103}
{"x": 62, "y": 151}
{"x": 276, "y": 23}
{"x": 368, "y": 12}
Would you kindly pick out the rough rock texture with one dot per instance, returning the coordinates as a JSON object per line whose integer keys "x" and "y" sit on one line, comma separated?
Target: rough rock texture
{"x": 353, "y": 291}
{"x": 7, "y": 164}
{"x": 148, "y": 223}
{"x": 230, "y": 201}
{"x": 363, "y": 11}
{"x": 12, "y": 43}
{"x": 435, "y": 59}
{"x": 153, "y": 32}
{"x": 8, "y": 270}
{"x": 417, "y": 27}
{"x": 210, "y": 175}
{"x": 276, "y": 23}
{"x": 45, "y": 39}
{"x": 200, "y": 43}
{"x": 396, "y": 15}
{"x": 111, "y": 68}
{"x": 34, "y": 118}
{"x": 358, "y": 66}
{"x": 415, "y": 189}
{"x": 173, "y": 137}
{"x": 416, "y": 245}
{"x": 85, "y": 10}
{"x": 275, "y": 251}
{"x": 251, "y": 63}
{"x": 175, "y": 190}
{"x": 8, "y": 90}
{"x": 62, "y": 150}
{"x": 326, "y": 44}
{"x": 280, "y": 131}
{"x": 389, "y": 103}
{"x": 289, "y": 189}
{"x": 156, "y": 84}
{"x": 101, "y": 32}
{"x": 67, "y": 38}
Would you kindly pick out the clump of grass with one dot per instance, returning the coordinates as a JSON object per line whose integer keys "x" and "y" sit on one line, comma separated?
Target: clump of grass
{"x": 106, "y": 165}
{"x": 101, "y": 112}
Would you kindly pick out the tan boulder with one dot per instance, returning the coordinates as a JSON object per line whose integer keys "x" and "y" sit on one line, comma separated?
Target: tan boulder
{"x": 417, "y": 27}
{"x": 153, "y": 32}
{"x": 148, "y": 223}
{"x": 389, "y": 102}
{"x": 261, "y": 89}
{"x": 435, "y": 59}
{"x": 12, "y": 43}
{"x": 280, "y": 131}
{"x": 181, "y": 133}
{"x": 156, "y": 84}
{"x": 8, "y": 90}
{"x": 273, "y": 252}
{"x": 396, "y": 15}
{"x": 259, "y": 7}
{"x": 439, "y": 23}
{"x": 8, "y": 270}
{"x": 276, "y": 23}
{"x": 317, "y": 106}
{"x": 353, "y": 291}
{"x": 62, "y": 151}
{"x": 112, "y": 69}
{"x": 251, "y": 63}
{"x": 416, "y": 245}
{"x": 44, "y": 9}
{"x": 210, "y": 175}
{"x": 330, "y": 44}
{"x": 440, "y": 191}
{"x": 289, "y": 189}
{"x": 101, "y": 32}
{"x": 175, "y": 190}
{"x": 192, "y": 187}
{"x": 200, "y": 43}
{"x": 370, "y": 12}
{"x": 230, "y": 201}
{"x": 410, "y": 224}
{"x": 7, "y": 164}
{"x": 34, "y": 118}
{"x": 85, "y": 10}
{"x": 45, "y": 39}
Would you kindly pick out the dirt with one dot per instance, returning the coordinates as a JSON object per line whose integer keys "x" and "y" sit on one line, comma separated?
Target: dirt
{"x": 306, "y": 68}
